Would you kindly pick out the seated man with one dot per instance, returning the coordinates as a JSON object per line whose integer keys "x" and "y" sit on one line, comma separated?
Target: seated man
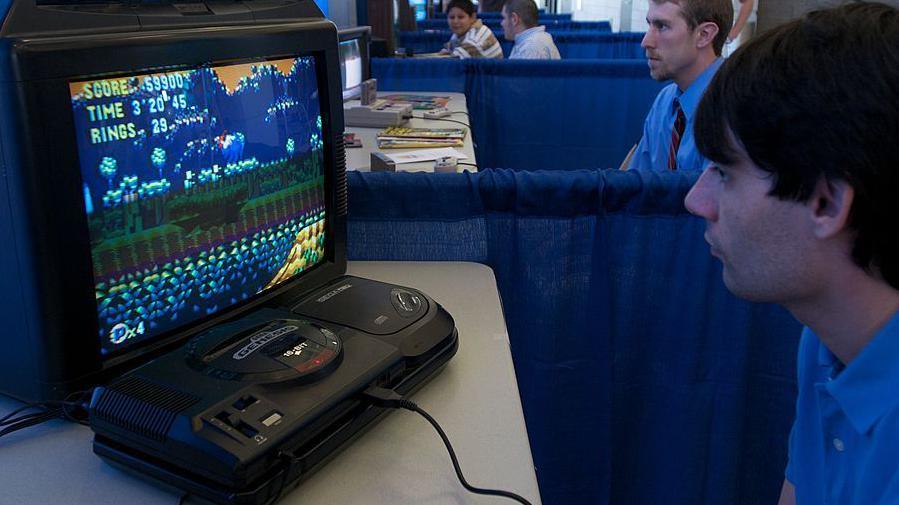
{"x": 471, "y": 38}
{"x": 802, "y": 125}
{"x": 683, "y": 43}
{"x": 520, "y": 25}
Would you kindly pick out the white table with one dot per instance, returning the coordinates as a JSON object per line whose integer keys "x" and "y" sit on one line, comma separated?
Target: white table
{"x": 401, "y": 460}
{"x": 359, "y": 158}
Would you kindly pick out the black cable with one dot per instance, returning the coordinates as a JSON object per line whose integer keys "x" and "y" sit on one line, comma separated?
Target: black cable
{"x": 460, "y": 112}
{"x": 68, "y": 409}
{"x": 442, "y": 119}
{"x": 386, "y": 398}
{"x": 468, "y": 165}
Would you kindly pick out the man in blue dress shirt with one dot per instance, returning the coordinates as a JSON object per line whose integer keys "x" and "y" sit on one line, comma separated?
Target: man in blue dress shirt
{"x": 800, "y": 203}
{"x": 520, "y": 25}
{"x": 683, "y": 43}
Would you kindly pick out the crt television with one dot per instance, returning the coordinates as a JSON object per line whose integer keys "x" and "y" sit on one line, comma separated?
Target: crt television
{"x": 355, "y": 61}
{"x": 164, "y": 167}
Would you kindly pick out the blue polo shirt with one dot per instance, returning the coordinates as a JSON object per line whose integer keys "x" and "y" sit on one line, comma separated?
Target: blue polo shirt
{"x": 844, "y": 447}
{"x": 652, "y": 152}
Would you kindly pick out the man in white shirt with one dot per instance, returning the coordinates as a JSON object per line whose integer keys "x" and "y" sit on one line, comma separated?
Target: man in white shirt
{"x": 744, "y": 25}
{"x": 531, "y": 41}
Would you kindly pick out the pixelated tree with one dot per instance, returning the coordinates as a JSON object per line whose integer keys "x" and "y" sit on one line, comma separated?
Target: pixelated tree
{"x": 108, "y": 169}
{"x": 291, "y": 147}
{"x": 157, "y": 157}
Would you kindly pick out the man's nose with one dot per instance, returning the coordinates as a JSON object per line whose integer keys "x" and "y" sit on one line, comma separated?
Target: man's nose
{"x": 700, "y": 201}
{"x": 647, "y": 40}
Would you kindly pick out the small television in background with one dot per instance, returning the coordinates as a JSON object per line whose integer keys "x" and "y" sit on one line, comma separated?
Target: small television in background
{"x": 164, "y": 170}
{"x": 355, "y": 63}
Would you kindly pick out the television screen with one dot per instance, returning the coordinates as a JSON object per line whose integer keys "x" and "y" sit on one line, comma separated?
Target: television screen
{"x": 203, "y": 188}
{"x": 350, "y": 66}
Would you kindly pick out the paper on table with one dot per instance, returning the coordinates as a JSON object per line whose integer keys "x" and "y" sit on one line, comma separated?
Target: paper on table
{"x": 425, "y": 155}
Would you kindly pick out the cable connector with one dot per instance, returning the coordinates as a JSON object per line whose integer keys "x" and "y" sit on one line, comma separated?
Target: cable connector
{"x": 383, "y": 397}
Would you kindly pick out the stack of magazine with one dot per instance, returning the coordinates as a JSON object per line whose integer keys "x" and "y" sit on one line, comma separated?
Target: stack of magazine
{"x": 400, "y": 137}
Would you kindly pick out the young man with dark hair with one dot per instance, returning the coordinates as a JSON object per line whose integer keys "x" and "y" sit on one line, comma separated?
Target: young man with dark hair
{"x": 800, "y": 204}
{"x": 683, "y": 44}
{"x": 520, "y": 25}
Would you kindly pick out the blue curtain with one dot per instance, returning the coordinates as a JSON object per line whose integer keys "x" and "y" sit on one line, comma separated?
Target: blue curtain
{"x": 532, "y": 115}
{"x": 431, "y": 41}
{"x": 588, "y": 45}
{"x": 543, "y": 16}
{"x": 572, "y": 45}
{"x": 541, "y": 12}
{"x": 425, "y": 74}
{"x": 550, "y": 24}
{"x": 538, "y": 114}
{"x": 643, "y": 380}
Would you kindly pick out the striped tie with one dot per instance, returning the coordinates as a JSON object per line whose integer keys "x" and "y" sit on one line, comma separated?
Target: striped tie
{"x": 680, "y": 123}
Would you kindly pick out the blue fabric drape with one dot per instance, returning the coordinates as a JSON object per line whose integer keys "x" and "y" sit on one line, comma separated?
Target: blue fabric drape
{"x": 532, "y": 115}
{"x": 643, "y": 380}
{"x": 438, "y": 74}
{"x": 538, "y": 114}
{"x": 541, "y": 12}
{"x": 431, "y": 41}
{"x": 586, "y": 45}
{"x": 550, "y": 24}
{"x": 571, "y": 45}
{"x": 543, "y": 16}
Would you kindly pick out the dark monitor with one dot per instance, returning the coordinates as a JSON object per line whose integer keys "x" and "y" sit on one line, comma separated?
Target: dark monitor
{"x": 355, "y": 63}
{"x": 159, "y": 180}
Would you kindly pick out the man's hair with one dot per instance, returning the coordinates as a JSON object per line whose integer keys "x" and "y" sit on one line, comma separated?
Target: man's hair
{"x": 818, "y": 98}
{"x": 465, "y": 5}
{"x": 696, "y": 12}
{"x": 526, "y": 10}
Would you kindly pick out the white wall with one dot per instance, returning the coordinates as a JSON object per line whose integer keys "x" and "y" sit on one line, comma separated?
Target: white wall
{"x": 625, "y": 15}
{"x": 342, "y": 12}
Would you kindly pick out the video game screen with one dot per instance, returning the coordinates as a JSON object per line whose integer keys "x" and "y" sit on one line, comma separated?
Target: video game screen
{"x": 350, "y": 66}
{"x": 203, "y": 187}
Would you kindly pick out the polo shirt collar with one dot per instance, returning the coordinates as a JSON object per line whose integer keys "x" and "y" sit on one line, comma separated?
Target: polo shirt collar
{"x": 866, "y": 388}
{"x": 689, "y": 98}
{"x": 530, "y": 31}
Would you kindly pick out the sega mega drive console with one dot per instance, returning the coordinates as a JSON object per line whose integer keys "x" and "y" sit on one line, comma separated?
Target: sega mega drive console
{"x": 245, "y": 410}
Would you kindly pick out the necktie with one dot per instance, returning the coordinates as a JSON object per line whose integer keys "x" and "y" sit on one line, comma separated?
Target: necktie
{"x": 680, "y": 123}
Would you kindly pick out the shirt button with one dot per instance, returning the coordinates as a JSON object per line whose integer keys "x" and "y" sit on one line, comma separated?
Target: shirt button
{"x": 838, "y": 445}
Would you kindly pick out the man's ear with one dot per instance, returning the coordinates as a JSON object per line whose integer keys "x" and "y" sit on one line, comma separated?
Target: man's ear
{"x": 830, "y": 205}
{"x": 516, "y": 19}
{"x": 705, "y": 34}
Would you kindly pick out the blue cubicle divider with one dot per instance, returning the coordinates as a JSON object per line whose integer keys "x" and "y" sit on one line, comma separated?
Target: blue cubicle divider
{"x": 533, "y": 114}
{"x": 550, "y": 24}
{"x": 419, "y": 74}
{"x": 572, "y": 45}
{"x": 586, "y": 45}
{"x": 643, "y": 380}
{"x": 496, "y": 15}
{"x": 542, "y": 16}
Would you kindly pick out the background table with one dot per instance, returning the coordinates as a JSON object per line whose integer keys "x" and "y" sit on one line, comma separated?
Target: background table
{"x": 400, "y": 460}
{"x": 359, "y": 158}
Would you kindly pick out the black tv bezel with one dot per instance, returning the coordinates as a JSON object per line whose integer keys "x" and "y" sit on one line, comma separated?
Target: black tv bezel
{"x": 65, "y": 283}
